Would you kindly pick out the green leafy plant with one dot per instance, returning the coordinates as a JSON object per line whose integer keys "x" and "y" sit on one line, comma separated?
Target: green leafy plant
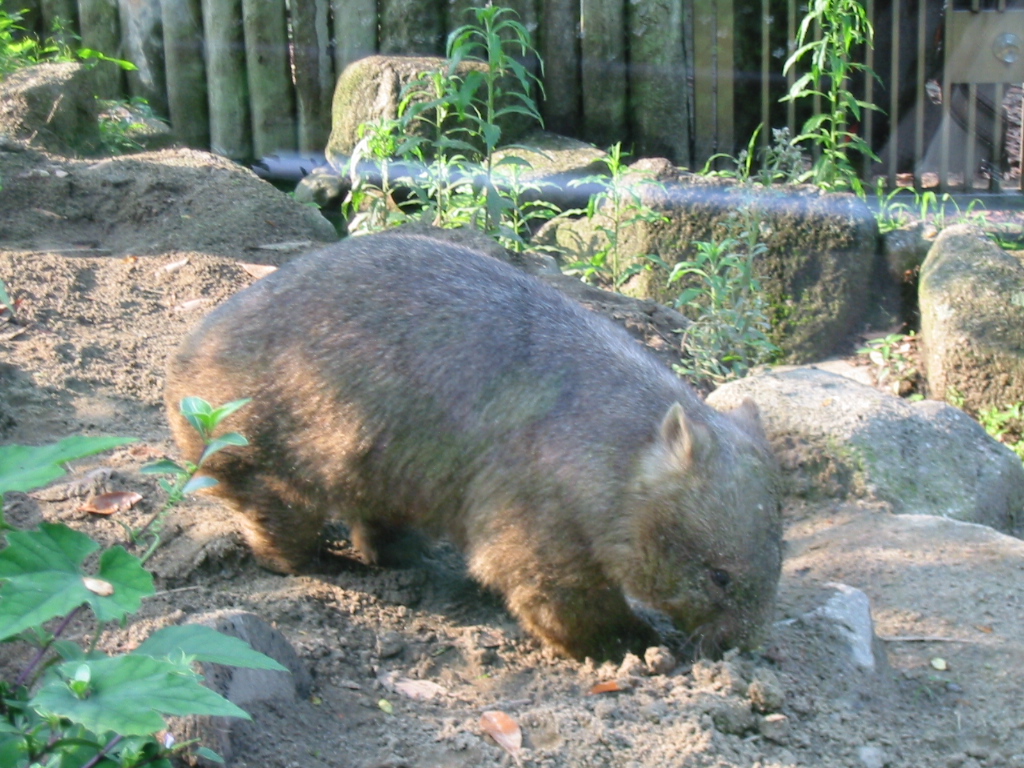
{"x": 780, "y": 162}
{"x": 122, "y": 122}
{"x": 447, "y": 131}
{"x": 618, "y": 206}
{"x": 76, "y": 706}
{"x": 1006, "y": 425}
{"x": 5, "y": 298}
{"x": 19, "y": 49}
{"x": 844, "y": 27}
{"x": 185, "y": 477}
{"x": 894, "y": 365}
{"x": 729, "y": 332}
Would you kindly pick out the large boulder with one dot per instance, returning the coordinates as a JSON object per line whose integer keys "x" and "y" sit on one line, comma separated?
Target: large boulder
{"x": 816, "y": 272}
{"x": 372, "y": 88}
{"x": 54, "y": 107}
{"x": 971, "y": 296}
{"x": 838, "y": 438}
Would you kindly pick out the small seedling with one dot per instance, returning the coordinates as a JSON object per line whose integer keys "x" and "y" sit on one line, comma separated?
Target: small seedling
{"x": 894, "y": 366}
{"x": 1006, "y": 425}
{"x": 205, "y": 419}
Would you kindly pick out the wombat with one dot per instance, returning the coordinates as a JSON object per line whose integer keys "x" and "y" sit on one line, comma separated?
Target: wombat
{"x": 407, "y": 384}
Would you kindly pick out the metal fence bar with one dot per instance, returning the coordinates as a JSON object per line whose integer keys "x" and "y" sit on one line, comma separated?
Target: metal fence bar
{"x": 791, "y": 76}
{"x": 868, "y": 123}
{"x": 996, "y": 174}
{"x": 922, "y": 33}
{"x": 946, "y": 114}
{"x": 766, "y": 118}
{"x": 894, "y": 97}
{"x": 972, "y": 136}
{"x": 725, "y": 63}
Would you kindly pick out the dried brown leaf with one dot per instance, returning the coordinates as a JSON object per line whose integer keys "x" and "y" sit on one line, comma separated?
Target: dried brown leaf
{"x": 608, "y": 686}
{"x": 109, "y": 503}
{"x": 503, "y": 729}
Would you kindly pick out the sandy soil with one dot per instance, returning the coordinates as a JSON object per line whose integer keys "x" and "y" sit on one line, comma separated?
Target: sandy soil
{"x": 111, "y": 264}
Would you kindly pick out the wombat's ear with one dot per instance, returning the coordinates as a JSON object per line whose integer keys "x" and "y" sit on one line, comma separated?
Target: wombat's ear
{"x": 748, "y": 418}
{"x": 688, "y": 440}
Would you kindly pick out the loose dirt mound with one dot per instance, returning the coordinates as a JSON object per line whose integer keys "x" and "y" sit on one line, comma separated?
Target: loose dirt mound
{"x": 111, "y": 264}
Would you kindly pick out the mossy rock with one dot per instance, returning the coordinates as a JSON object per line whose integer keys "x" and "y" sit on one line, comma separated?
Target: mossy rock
{"x": 816, "y": 272}
{"x": 971, "y": 295}
{"x": 371, "y": 88}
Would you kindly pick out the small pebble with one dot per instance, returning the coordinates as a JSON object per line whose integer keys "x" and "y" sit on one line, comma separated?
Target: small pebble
{"x": 659, "y": 660}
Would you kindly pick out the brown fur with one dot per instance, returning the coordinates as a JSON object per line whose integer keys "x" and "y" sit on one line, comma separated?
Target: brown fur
{"x": 410, "y": 385}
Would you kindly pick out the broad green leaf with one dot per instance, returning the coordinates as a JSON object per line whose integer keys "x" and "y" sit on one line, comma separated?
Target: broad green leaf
{"x": 129, "y": 695}
{"x": 221, "y": 413}
{"x": 42, "y": 578}
{"x": 25, "y": 467}
{"x": 198, "y": 483}
{"x": 209, "y": 754}
{"x": 205, "y": 644}
{"x": 222, "y": 442}
{"x": 131, "y": 583}
{"x": 163, "y": 466}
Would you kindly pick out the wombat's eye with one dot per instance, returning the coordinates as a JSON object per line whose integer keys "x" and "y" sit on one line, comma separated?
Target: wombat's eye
{"x": 721, "y": 578}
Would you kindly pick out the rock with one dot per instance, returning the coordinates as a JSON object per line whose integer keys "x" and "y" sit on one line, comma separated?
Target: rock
{"x": 53, "y": 106}
{"x": 631, "y": 666}
{"x": 837, "y": 438}
{"x": 816, "y": 271}
{"x": 659, "y": 660}
{"x": 324, "y": 186}
{"x": 242, "y": 686}
{"x": 774, "y": 727}
{"x": 389, "y": 645}
{"x": 765, "y": 691}
{"x": 872, "y": 757}
{"x": 370, "y": 89}
{"x": 734, "y": 716}
{"x": 971, "y": 296}
{"x": 557, "y": 165}
{"x": 849, "y": 613}
{"x": 905, "y": 250}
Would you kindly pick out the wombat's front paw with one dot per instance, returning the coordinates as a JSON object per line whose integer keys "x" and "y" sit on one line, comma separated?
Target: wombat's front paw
{"x": 388, "y": 547}
{"x": 594, "y": 623}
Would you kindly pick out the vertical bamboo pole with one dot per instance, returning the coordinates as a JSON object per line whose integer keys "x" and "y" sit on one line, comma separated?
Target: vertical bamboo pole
{"x": 412, "y": 26}
{"x": 725, "y": 65}
{"x": 704, "y": 34}
{"x": 659, "y": 91}
{"x": 272, "y": 96}
{"x": 355, "y": 31}
{"x": 314, "y": 71}
{"x": 186, "y": 72}
{"x": 998, "y": 141}
{"x": 142, "y": 44}
{"x": 98, "y": 20}
{"x": 228, "y": 88}
{"x": 559, "y": 48}
{"x": 603, "y": 70}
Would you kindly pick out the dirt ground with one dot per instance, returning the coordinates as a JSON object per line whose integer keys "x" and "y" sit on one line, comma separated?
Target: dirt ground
{"x": 110, "y": 265}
